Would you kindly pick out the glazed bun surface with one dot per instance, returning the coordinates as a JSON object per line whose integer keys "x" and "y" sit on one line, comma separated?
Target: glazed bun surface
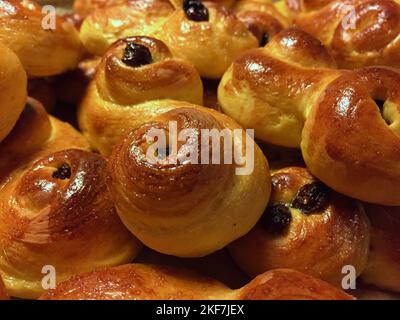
{"x": 306, "y": 227}
{"x": 151, "y": 282}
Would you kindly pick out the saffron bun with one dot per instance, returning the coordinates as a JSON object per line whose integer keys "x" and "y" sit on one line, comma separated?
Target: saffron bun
{"x": 13, "y": 84}
{"x": 358, "y": 33}
{"x": 132, "y": 84}
{"x": 383, "y": 267}
{"x": 132, "y": 18}
{"x": 306, "y": 227}
{"x": 155, "y": 199}
{"x": 42, "y": 52}
{"x": 84, "y": 7}
{"x": 261, "y": 17}
{"x": 54, "y": 204}
{"x": 210, "y": 38}
{"x": 289, "y": 92}
{"x": 152, "y": 282}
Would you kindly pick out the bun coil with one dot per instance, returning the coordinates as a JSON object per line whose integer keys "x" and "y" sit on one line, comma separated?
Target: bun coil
{"x": 290, "y": 94}
{"x": 306, "y": 227}
{"x": 132, "y": 83}
{"x": 185, "y": 207}
{"x": 151, "y": 282}
{"x": 55, "y": 209}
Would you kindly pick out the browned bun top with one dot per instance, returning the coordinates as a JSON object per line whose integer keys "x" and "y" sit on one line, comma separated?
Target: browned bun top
{"x": 286, "y": 284}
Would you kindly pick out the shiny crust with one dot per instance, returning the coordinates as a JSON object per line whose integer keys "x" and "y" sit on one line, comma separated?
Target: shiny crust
{"x": 85, "y": 7}
{"x": 365, "y": 164}
{"x": 294, "y": 65}
{"x": 260, "y": 17}
{"x": 210, "y": 45}
{"x": 383, "y": 267}
{"x": 122, "y": 97}
{"x": 151, "y": 282}
{"x": 13, "y": 86}
{"x": 290, "y": 94}
{"x": 319, "y": 243}
{"x": 155, "y": 201}
{"x": 42, "y": 52}
{"x": 54, "y": 221}
{"x": 375, "y": 40}
{"x": 127, "y": 18}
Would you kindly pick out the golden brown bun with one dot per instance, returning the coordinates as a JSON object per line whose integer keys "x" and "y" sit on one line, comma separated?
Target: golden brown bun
{"x": 42, "y": 52}
{"x": 306, "y": 227}
{"x": 183, "y": 208}
{"x": 85, "y": 7}
{"x": 132, "y": 18}
{"x": 151, "y": 282}
{"x": 3, "y": 293}
{"x": 372, "y": 40}
{"x": 53, "y": 206}
{"x": 383, "y": 267}
{"x": 123, "y": 96}
{"x": 290, "y": 94}
{"x": 261, "y": 17}
{"x": 13, "y": 86}
{"x": 227, "y": 3}
{"x": 269, "y": 89}
{"x": 212, "y": 44}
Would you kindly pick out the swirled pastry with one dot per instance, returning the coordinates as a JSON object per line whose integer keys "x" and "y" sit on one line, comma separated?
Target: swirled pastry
{"x": 128, "y": 18}
{"x": 357, "y": 32}
{"x": 207, "y": 34}
{"x": 46, "y": 45}
{"x": 85, "y": 7}
{"x": 151, "y": 282}
{"x": 347, "y": 123}
{"x": 55, "y": 210}
{"x": 187, "y": 204}
{"x": 306, "y": 227}
{"x": 383, "y": 267}
{"x": 13, "y": 86}
{"x": 132, "y": 82}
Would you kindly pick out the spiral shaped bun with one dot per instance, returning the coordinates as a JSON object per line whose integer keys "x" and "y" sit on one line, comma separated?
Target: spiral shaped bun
{"x": 134, "y": 18}
{"x": 135, "y": 75}
{"x": 346, "y": 122}
{"x": 211, "y": 37}
{"x": 261, "y": 17}
{"x": 306, "y": 227}
{"x": 54, "y": 205}
{"x": 42, "y": 51}
{"x": 151, "y": 282}
{"x": 13, "y": 84}
{"x": 383, "y": 267}
{"x": 351, "y": 139}
{"x": 3, "y": 293}
{"x": 85, "y": 7}
{"x": 186, "y": 207}
{"x": 357, "y": 32}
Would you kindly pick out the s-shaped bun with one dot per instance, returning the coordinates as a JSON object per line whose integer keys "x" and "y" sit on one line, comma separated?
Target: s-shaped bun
{"x": 189, "y": 208}
{"x": 306, "y": 227}
{"x": 151, "y": 282}
{"x": 358, "y": 33}
{"x": 132, "y": 83}
{"x": 43, "y": 52}
{"x": 55, "y": 209}
{"x": 347, "y": 123}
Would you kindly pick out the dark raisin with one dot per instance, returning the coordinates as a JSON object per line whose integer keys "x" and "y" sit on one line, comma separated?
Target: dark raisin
{"x": 276, "y": 219}
{"x": 264, "y": 39}
{"x": 136, "y": 55}
{"x": 311, "y": 197}
{"x": 195, "y": 10}
{"x": 62, "y": 172}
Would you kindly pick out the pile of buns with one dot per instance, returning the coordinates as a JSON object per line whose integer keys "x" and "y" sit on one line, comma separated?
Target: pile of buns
{"x": 317, "y": 80}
